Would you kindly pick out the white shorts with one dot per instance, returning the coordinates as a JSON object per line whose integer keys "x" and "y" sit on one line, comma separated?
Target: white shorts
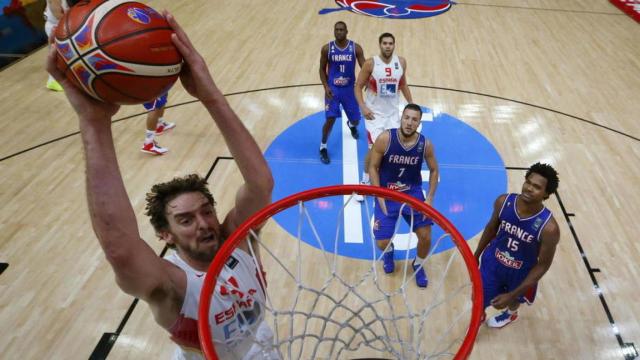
{"x": 378, "y": 125}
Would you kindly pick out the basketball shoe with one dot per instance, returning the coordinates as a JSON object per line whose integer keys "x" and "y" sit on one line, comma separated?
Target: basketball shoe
{"x": 324, "y": 156}
{"x": 153, "y": 148}
{"x": 53, "y": 85}
{"x": 421, "y": 275}
{"x": 354, "y": 130}
{"x": 388, "y": 264}
{"x": 164, "y": 126}
{"x": 503, "y": 319}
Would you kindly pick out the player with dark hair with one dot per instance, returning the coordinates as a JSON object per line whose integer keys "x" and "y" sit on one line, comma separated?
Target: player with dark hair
{"x": 518, "y": 244}
{"x": 183, "y": 214}
{"x": 396, "y": 163}
{"x": 384, "y": 77}
{"x": 338, "y": 75}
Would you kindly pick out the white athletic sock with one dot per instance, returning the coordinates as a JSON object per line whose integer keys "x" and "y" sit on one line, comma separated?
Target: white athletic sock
{"x": 148, "y": 136}
{"x": 323, "y": 146}
{"x": 365, "y": 177}
{"x": 418, "y": 260}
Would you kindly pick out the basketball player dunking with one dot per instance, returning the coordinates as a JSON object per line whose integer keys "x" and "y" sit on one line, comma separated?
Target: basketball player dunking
{"x": 518, "y": 244}
{"x": 396, "y": 163}
{"x": 383, "y": 76}
{"x": 183, "y": 214}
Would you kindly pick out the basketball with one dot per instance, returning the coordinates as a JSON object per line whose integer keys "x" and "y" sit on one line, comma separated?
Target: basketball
{"x": 118, "y": 51}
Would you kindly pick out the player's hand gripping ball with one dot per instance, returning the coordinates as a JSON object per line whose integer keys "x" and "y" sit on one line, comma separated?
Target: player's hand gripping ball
{"x": 117, "y": 51}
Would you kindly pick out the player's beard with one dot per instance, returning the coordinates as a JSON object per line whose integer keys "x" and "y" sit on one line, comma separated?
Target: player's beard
{"x": 202, "y": 255}
{"x": 407, "y": 135}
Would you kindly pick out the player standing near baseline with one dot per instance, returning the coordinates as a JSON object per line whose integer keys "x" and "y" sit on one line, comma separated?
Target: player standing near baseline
{"x": 383, "y": 75}
{"x": 518, "y": 244}
{"x": 183, "y": 214}
{"x": 396, "y": 163}
{"x": 338, "y": 74}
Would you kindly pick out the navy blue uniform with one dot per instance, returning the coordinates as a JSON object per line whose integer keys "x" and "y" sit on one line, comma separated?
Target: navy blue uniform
{"x": 509, "y": 257}
{"x": 341, "y": 80}
{"x": 400, "y": 170}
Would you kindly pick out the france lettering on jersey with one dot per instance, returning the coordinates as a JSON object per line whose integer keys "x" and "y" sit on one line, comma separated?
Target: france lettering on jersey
{"x": 517, "y": 243}
{"x": 342, "y": 64}
{"x": 400, "y": 170}
{"x": 401, "y": 166}
{"x": 384, "y": 83}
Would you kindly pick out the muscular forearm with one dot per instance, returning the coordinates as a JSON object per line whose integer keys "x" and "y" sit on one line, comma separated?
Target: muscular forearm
{"x": 488, "y": 234}
{"x": 374, "y": 176}
{"x": 407, "y": 93}
{"x": 323, "y": 77}
{"x": 241, "y": 144}
{"x": 111, "y": 213}
{"x": 532, "y": 278}
{"x": 433, "y": 182}
{"x": 358, "y": 92}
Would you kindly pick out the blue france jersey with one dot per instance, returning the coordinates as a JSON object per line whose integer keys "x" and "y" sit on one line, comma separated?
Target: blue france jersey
{"x": 342, "y": 64}
{"x": 400, "y": 167}
{"x": 517, "y": 242}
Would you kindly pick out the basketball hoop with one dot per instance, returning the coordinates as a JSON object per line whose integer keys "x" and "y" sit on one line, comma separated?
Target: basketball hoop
{"x": 353, "y": 308}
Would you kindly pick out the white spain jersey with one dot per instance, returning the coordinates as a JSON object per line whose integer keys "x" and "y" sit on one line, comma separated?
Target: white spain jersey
{"x": 382, "y": 93}
{"x": 237, "y": 314}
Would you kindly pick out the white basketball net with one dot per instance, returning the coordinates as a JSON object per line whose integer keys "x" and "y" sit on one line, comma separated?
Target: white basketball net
{"x": 321, "y": 305}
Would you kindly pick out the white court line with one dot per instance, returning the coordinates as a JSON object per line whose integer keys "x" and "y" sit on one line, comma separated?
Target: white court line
{"x": 353, "y": 210}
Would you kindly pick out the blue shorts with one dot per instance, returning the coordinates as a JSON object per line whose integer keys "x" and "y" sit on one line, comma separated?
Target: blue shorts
{"x": 156, "y": 104}
{"x": 498, "y": 279}
{"x": 384, "y": 225}
{"x": 342, "y": 96}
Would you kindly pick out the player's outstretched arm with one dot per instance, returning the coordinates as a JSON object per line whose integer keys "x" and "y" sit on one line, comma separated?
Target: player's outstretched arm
{"x": 255, "y": 193}
{"x": 548, "y": 243}
{"x": 361, "y": 82}
{"x": 377, "y": 152}
{"x": 491, "y": 229}
{"x": 434, "y": 171}
{"x": 139, "y": 271}
{"x": 404, "y": 87}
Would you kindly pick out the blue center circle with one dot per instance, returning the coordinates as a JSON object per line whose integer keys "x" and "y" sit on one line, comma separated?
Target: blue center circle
{"x": 472, "y": 175}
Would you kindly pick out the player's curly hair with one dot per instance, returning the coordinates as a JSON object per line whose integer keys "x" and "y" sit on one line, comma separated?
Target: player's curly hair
{"x": 548, "y": 172}
{"x": 162, "y": 193}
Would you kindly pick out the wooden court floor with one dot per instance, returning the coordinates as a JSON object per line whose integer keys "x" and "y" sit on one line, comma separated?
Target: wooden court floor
{"x": 543, "y": 80}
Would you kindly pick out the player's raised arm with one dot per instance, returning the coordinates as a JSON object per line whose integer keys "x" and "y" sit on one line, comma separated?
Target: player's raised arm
{"x": 491, "y": 229}
{"x": 255, "y": 193}
{"x": 361, "y": 82}
{"x": 139, "y": 271}
{"x": 404, "y": 87}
